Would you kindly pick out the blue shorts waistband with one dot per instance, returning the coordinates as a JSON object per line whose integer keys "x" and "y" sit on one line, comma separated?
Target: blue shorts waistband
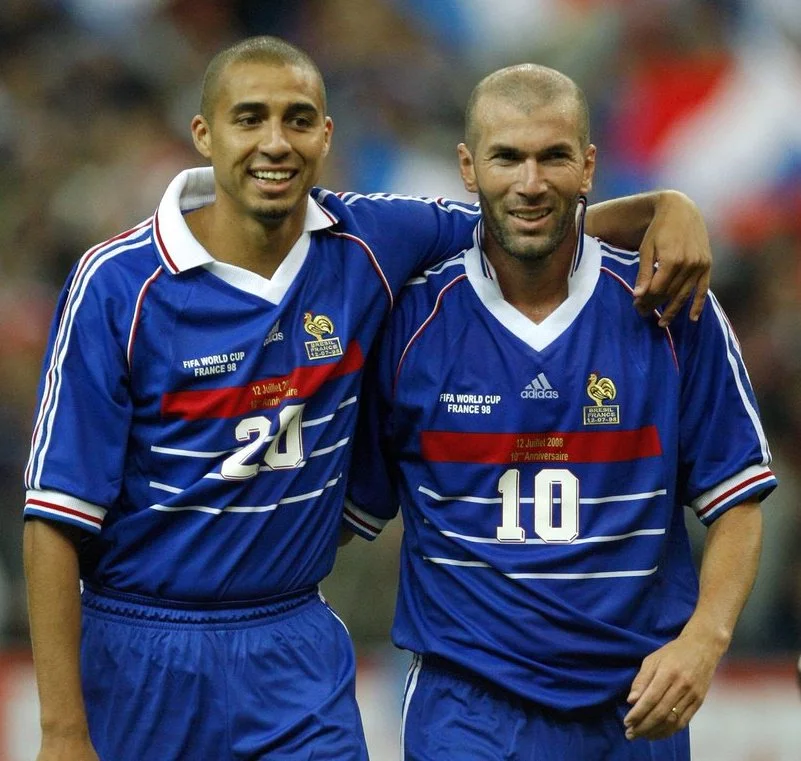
{"x": 142, "y": 607}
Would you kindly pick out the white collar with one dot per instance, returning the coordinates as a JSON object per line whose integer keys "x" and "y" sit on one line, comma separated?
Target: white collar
{"x": 189, "y": 190}
{"x": 583, "y": 278}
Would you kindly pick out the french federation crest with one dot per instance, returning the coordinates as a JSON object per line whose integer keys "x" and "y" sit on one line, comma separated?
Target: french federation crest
{"x": 321, "y": 348}
{"x": 601, "y": 390}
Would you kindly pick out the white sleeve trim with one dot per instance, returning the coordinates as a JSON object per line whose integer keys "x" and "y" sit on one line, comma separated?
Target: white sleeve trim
{"x": 732, "y": 490}
{"x": 65, "y": 508}
{"x": 363, "y": 523}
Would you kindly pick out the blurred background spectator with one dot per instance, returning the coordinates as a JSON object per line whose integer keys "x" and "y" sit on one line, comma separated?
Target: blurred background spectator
{"x": 699, "y": 95}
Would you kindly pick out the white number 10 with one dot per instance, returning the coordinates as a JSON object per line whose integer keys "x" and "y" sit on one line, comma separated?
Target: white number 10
{"x": 546, "y": 482}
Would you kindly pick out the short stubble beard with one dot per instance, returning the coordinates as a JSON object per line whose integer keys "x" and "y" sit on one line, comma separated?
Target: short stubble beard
{"x": 531, "y": 251}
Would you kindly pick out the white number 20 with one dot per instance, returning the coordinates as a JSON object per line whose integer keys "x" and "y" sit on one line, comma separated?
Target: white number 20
{"x": 285, "y": 450}
{"x": 546, "y": 482}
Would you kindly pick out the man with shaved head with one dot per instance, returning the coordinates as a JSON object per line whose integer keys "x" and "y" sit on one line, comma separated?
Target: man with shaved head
{"x": 526, "y": 86}
{"x": 542, "y": 441}
{"x": 509, "y": 99}
{"x": 198, "y": 398}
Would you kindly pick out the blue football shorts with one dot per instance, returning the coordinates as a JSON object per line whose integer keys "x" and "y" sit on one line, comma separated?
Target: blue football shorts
{"x": 450, "y": 715}
{"x": 274, "y": 680}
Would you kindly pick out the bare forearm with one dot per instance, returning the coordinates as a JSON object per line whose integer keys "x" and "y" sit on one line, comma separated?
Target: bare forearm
{"x": 728, "y": 571}
{"x": 623, "y": 221}
{"x": 673, "y": 681}
{"x": 54, "y": 609}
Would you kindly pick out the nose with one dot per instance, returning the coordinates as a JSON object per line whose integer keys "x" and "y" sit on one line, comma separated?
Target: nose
{"x": 273, "y": 142}
{"x": 531, "y": 180}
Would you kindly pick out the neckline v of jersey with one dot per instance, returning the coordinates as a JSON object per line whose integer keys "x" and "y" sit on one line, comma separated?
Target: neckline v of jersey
{"x": 581, "y": 284}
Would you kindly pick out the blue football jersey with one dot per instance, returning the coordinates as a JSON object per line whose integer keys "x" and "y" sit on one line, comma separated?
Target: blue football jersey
{"x": 195, "y": 418}
{"x": 542, "y": 471}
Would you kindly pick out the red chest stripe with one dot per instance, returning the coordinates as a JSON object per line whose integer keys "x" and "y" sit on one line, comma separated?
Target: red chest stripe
{"x": 553, "y": 447}
{"x": 260, "y": 395}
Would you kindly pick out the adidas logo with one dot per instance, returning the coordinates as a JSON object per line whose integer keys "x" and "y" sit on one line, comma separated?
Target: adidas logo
{"x": 539, "y": 388}
{"x": 274, "y": 335}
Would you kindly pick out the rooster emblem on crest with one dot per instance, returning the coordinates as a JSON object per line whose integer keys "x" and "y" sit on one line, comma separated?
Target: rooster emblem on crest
{"x": 317, "y": 326}
{"x": 600, "y": 389}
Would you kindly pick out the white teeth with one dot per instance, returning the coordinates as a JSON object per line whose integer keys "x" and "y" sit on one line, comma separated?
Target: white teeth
{"x": 272, "y": 175}
{"x": 530, "y": 216}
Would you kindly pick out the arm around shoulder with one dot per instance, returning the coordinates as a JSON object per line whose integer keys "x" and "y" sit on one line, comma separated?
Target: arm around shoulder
{"x": 50, "y": 554}
{"x": 669, "y": 231}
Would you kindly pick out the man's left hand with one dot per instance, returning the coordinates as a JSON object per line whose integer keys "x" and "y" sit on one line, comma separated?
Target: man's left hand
{"x": 669, "y": 688}
{"x": 675, "y": 259}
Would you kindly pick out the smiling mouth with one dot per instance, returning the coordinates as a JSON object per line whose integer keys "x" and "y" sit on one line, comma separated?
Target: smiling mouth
{"x": 273, "y": 175}
{"x": 530, "y": 216}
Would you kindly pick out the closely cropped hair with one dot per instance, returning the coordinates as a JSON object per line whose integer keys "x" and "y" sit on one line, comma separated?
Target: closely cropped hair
{"x": 264, "y": 49}
{"x": 527, "y": 85}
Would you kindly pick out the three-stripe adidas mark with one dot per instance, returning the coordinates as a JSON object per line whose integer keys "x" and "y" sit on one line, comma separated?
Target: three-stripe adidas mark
{"x": 539, "y": 388}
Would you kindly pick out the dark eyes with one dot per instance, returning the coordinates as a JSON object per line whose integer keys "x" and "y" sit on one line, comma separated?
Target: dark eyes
{"x": 254, "y": 120}
{"x": 508, "y": 157}
{"x": 505, "y": 156}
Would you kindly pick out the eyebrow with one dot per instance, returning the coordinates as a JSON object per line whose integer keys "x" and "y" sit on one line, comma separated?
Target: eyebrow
{"x": 495, "y": 147}
{"x": 302, "y": 108}
{"x": 298, "y": 107}
{"x": 508, "y": 148}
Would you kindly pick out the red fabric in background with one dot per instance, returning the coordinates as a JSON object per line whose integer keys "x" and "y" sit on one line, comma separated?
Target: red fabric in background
{"x": 660, "y": 93}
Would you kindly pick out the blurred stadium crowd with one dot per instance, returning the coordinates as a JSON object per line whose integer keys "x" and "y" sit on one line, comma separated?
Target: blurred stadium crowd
{"x": 699, "y": 95}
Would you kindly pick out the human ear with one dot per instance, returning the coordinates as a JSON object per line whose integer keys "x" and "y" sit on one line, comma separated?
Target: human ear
{"x": 467, "y": 168}
{"x": 589, "y": 169}
{"x": 201, "y": 136}
{"x": 329, "y": 131}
